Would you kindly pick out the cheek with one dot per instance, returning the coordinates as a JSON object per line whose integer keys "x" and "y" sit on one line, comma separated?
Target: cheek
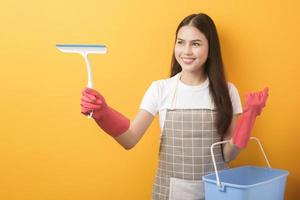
{"x": 177, "y": 53}
{"x": 202, "y": 52}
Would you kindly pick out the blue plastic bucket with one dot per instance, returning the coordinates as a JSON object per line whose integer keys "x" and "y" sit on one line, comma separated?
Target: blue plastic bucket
{"x": 245, "y": 183}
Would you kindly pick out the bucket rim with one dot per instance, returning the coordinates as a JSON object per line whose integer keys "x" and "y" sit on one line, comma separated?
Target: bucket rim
{"x": 285, "y": 174}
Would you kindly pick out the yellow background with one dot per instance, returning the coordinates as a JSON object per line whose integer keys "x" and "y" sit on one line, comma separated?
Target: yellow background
{"x": 48, "y": 150}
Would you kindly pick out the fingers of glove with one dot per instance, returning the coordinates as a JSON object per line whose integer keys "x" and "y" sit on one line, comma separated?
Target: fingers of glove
{"x": 85, "y": 111}
{"x": 266, "y": 91}
{"x": 90, "y": 105}
{"x": 92, "y": 92}
{"x": 265, "y": 94}
{"x": 251, "y": 98}
{"x": 87, "y": 99}
{"x": 90, "y": 96}
{"x": 257, "y": 96}
{"x": 248, "y": 97}
{"x": 253, "y": 101}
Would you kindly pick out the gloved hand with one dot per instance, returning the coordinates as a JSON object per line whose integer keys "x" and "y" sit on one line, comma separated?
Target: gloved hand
{"x": 110, "y": 120}
{"x": 255, "y": 102}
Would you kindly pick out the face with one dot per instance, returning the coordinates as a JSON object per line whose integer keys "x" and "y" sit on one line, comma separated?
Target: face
{"x": 191, "y": 49}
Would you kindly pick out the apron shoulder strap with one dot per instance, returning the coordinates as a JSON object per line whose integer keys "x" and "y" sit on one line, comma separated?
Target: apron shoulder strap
{"x": 174, "y": 92}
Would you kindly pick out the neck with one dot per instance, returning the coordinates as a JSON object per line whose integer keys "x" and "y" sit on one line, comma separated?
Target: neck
{"x": 191, "y": 78}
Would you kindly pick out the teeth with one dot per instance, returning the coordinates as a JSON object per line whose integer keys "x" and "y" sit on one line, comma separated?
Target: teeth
{"x": 188, "y": 59}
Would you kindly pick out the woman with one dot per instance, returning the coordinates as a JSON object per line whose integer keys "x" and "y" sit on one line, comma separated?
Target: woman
{"x": 196, "y": 107}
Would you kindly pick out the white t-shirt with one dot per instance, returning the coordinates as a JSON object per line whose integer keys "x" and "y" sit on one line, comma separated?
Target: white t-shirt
{"x": 158, "y": 97}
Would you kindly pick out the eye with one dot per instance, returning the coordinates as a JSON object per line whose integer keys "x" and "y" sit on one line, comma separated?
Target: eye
{"x": 196, "y": 44}
{"x": 179, "y": 42}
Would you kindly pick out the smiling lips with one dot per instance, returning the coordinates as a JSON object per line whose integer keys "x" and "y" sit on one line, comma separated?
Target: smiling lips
{"x": 187, "y": 60}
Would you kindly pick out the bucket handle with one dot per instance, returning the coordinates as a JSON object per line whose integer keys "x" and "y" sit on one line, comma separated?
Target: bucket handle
{"x": 227, "y": 141}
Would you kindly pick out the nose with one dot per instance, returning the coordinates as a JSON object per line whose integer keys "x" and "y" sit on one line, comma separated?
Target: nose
{"x": 187, "y": 49}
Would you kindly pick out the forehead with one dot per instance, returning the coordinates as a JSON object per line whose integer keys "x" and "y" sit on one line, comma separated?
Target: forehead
{"x": 190, "y": 33}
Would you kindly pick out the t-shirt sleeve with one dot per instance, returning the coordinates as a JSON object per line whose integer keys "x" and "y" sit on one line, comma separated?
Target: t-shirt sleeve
{"x": 150, "y": 99}
{"x": 235, "y": 99}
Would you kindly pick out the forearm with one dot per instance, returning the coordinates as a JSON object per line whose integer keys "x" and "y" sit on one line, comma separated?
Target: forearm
{"x": 242, "y": 130}
{"x": 230, "y": 151}
{"x": 239, "y": 132}
{"x": 112, "y": 122}
{"x": 130, "y": 138}
{"x": 137, "y": 129}
{"x": 244, "y": 123}
{"x": 255, "y": 102}
{"x": 127, "y": 140}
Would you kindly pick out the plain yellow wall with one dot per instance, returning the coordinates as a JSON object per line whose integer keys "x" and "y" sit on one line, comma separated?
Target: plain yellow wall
{"x": 48, "y": 150}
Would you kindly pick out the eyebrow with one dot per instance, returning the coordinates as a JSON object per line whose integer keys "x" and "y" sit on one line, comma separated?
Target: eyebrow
{"x": 191, "y": 40}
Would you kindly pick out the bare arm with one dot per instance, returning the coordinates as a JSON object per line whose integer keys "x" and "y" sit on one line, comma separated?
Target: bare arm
{"x": 136, "y": 130}
{"x": 230, "y": 151}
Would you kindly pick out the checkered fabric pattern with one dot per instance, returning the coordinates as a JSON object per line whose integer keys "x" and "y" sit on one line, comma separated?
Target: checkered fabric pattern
{"x": 185, "y": 148}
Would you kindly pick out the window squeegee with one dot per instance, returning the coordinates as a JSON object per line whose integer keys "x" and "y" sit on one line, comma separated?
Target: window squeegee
{"x": 84, "y": 50}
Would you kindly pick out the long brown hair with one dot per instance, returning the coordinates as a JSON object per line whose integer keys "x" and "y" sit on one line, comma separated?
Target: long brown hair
{"x": 213, "y": 68}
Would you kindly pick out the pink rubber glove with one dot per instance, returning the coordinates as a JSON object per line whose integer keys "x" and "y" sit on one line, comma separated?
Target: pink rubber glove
{"x": 110, "y": 120}
{"x": 255, "y": 102}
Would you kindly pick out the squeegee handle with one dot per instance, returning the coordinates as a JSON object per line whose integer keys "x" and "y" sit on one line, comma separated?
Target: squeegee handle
{"x": 90, "y": 76}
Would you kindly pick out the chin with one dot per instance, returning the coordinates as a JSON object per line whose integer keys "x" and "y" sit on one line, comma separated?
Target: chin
{"x": 190, "y": 68}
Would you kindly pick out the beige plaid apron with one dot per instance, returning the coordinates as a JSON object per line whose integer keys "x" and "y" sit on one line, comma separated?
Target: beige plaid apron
{"x": 184, "y": 154}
